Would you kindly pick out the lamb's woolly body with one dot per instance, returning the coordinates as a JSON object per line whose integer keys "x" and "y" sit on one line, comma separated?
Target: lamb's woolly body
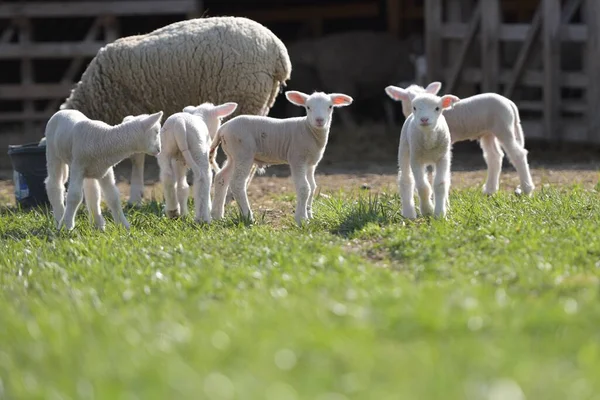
{"x": 199, "y": 60}
{"x": 493, "y": 120}
{"x": 186, "y": 138}
{"x": 254, "y": 140}
{"x": 90, "y": 149}
{"x": 418, "y": 148}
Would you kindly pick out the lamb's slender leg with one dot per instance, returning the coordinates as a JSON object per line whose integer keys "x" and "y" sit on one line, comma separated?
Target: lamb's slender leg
{"x": 136, "y": 191}
{"x": 518, "y": 157}
{"x": 183, "y": 188}
{"x": 423, "y": 188}
{"x": 91, "y": 189}
{"x": 222, "y": 180}
{"x": 202, "y": 181}
{"x": 74, "y": 197}
{"x": 299, "y": 176}
{"x": 113, "y": 198}
{"x": 55, "y": 188}
{"x": 239, "y": 183}
{"x": 493, "y": 155}
{"x": 167, "y": 179}
{"x": 313, "y": 187}
{"x": 406, "y": 183}
{"x": 441, "y": 186}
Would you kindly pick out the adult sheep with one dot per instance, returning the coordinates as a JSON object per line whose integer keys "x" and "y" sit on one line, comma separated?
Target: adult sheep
{"x": 217, "y": 60}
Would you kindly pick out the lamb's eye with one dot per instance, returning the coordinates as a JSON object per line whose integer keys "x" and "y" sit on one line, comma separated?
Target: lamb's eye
{"x": 308, "y": 108}
{"x": 414, "y": 108}
{"x": 437, "y": 109}
{"x": 330, "y": 107}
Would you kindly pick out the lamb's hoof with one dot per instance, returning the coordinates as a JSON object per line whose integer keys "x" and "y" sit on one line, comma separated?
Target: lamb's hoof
{"x": 205, "y": 220}
{"x": 173, "y": 214}
{"x": 527, "y": 192}
{"x": 409, "y": 214}
{"x": 489, "y": 192}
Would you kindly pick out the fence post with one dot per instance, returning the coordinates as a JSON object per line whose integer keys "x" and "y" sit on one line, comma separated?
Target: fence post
{"x": 551, "y": 56}
{"x": 490, "y": 45}
{"x": 433, "y": 38}
{"x": 592, "y": 9}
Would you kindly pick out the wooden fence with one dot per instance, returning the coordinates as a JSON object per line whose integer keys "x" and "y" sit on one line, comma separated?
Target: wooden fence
{"x": 16, "y": 43}
{"x": 538, "y": 63}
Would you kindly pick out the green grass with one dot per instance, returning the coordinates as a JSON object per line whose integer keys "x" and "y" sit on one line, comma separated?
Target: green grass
{"x": 500, "y": 301}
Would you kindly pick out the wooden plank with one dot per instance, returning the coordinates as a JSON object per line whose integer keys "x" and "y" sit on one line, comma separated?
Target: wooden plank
{"x": 433, "y": 39}
{"x": 50, "y": 50}
{"x": 353, "y": 10}
{"x": 34, "y": 91}
{"x": 574, "y": 80}
{"x": 26, "y": 69}
{"x": 24, "y": 116}
{"x": 593, "y": 67}
{"x": 463, "y": 50}
{"x": 490, "y": 45}
{"x": 524, "y": 52}
{"x": 575, "y": 107}
{"x": 551, "y": 58}
{"x": 7, "y": 34}
{"x": 95, "y": 8}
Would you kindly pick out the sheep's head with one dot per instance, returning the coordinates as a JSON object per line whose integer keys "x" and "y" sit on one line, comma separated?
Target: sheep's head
{"x": 212, "y": 115}
{"x": 406, "y": 95}
{"x": 428, "y": 107}
{"x": 149, "y": 124}
{"x": 319, "y": 106}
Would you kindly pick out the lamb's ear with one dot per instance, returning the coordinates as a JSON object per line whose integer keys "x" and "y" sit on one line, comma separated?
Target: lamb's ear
{"x": 340, "y": 100}
{"x": 189, "y": 109}
{"x": 128, "y": 118}
{"x": 449, "y": 100}
{"x": 397, "y": 93}
{"x": 152, "y": 119}
{"x": 297, "y": 98}
{"x": 225, "y": 109}
{"x": 433, "y": 87}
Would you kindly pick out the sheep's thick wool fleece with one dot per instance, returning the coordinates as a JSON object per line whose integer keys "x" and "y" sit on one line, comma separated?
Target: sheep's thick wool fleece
{"x": 219, "y": 59}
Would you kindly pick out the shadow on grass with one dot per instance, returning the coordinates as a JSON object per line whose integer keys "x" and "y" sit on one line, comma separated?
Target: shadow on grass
{"x": 345, "y": 216}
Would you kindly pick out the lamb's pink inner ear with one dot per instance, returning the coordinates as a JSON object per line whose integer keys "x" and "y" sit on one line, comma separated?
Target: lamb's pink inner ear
{"x": 226, "y": 109}
{"x": 448, "y": 101}
{"x": 296, "y": 97}
{"x": 340, "y": 99}
{"x": 397, "y": 94}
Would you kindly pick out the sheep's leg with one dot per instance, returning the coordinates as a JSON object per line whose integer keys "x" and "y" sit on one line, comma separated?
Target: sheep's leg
{"x": 113, "y": 198}
{"x": 202, "y": 180}
{"x": 74, "y": 198}
{"x": 55, "y": 188}
{"x": 423, "y": 188}
{"x": 91, "y": 190}
{"x": 183, "y": 188}
{"x": 222, "y": 180}
{"x": 239, "y": 184}
{"x": 406, "y": 183}
{"x": 313, "y": 187}
{"x": 518, "y": 157}
{"x": 492, "y": 153}
{"x": 167, "y": 179}
{"x": 441, "y": 186}
{"x": 299, "y": 174}
{"x": 136, "y": 190}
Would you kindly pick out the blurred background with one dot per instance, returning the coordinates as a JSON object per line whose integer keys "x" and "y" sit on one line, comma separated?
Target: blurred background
{"x": 543, "y": 54}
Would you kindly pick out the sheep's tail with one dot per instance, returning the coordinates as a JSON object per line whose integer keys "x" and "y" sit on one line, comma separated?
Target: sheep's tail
{"x": 212, "y": 155}
{"x": 520, "y": 136}
{"x": 180, "y": 134}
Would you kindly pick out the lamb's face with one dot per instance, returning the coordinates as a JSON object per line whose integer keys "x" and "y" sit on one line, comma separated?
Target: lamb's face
{"x": 153, "y": 145}
{"x": 406, "y": 95}
{"x": 212, "y": 115}
{"x": 319, "y": 109}
{"x": 427, "y": 109}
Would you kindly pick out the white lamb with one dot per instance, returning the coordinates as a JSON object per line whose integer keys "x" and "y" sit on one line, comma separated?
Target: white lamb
{"x": 489, "y": 117}
{"x": 90, "y": 149}
{"x": 186, "y": 137}
{"x": 299, "y": 142}
{"x": 425, "y": 140}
